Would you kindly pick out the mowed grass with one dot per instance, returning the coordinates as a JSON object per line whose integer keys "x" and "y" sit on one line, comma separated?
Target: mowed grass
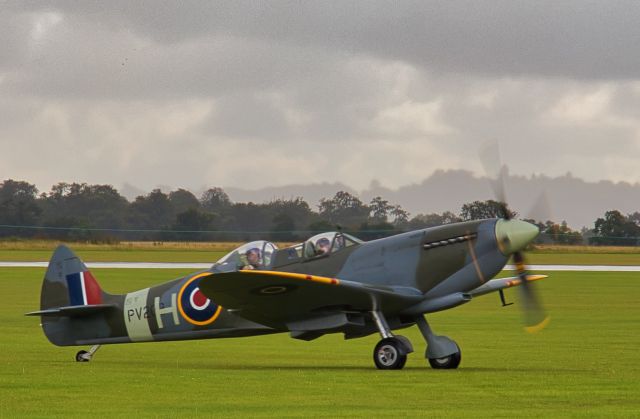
{"x": 210, "y": 256}
{"x": 204, "y": 252}
{"x": 586, "y": 363}
{"x": 584, "y": 255}
{"x": 628, "y": 259}
{"x": 41, "y": 250}
{"x": 97, "y": 255}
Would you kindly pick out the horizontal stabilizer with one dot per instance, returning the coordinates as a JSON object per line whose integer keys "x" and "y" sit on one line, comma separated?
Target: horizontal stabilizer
{"x": 72, "y": 311}
{"x": 502, "y": 283}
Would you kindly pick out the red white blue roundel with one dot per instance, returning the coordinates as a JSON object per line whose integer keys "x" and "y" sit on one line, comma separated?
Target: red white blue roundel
{"x": 194, "y": 306}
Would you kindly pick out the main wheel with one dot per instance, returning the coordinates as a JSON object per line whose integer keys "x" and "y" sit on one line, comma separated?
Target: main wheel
{"x": 448, "y": 362}
{"x": 83, "y": 356}
{"x": 390, "y": 354}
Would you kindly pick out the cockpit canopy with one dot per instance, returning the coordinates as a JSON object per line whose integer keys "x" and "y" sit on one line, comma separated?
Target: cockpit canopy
{"x": 254, "y": 255}
{"x": 263, "y": 254}
{"x": 326, "y": 243}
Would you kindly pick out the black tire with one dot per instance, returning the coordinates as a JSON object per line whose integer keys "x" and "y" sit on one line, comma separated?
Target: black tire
{"x": 390, "y": 354}
{"x": 448, "y": 362}
{"x": 81, "y": 358}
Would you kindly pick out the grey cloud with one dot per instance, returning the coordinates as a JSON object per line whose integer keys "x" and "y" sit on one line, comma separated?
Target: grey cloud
{"x": 571, "y": 39}
{"x": 248, "y": 116}
{"x": 14, "y": 32}
{"x": 80, "y": 60}
{"x": 163, "y": 49}
{"x": 161, "y": 92}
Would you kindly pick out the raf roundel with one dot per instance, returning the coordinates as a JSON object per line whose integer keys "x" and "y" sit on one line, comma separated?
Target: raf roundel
{"x": 194, "y": 306}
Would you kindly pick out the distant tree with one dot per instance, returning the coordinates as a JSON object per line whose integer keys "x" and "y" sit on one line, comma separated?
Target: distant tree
{"x": 283, "y": 227}
{"x": 193, "y": 219}
{"x": 635, "y": 218}
{"x": 379, "y": 209}
{"x": 432, "y": 220}
{"x": 368, "y": 231}
{"x": 561, "y": 233}
{"x": 320, "y": 226}
{"x": 246, "y": 218}
{"x": 152, "y": 211}
{"x": 479, "y": 210}
{"x": 297, "y": 209}
{"x": 215, "y": 200}
{"x": 290, "y": 215}
{"x": 400, "y": 216}
{"x": 615, "y": 229}
{"x": 183, "y": 200}
{"x": 343, "y": 209}
{"x": 587, "y": 234}
{"x": 81, "y": 205}
{"x": 18, "y": 203}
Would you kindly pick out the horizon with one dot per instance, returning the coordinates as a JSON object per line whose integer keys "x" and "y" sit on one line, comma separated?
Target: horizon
{"x": 541, "y": 197}
{"x": 373, "y": 184}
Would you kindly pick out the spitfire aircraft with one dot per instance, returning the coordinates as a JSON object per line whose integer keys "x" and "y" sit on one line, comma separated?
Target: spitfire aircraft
{"x": 331, "y": 283}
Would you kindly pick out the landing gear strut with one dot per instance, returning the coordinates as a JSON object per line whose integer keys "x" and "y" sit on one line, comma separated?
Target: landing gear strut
{"x": 442, "y": 352}
{"x": 391, "y": 352}
{"x": 85, "y": 356}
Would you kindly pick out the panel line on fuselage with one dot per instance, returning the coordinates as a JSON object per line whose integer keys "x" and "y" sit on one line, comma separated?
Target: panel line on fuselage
{"x": 474, "y": 258}
{"x": 136, "y": 316}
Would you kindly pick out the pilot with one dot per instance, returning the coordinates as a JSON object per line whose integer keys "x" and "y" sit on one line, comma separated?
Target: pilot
{"x": 253, "y": 259}
{"x": 323, "y": 246}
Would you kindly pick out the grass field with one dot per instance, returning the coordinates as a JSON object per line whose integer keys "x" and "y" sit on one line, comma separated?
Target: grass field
{"x": 584, "y": 255}
{"x": 92, "y": 255}
{"x": 40, "y": 250}
{"x": 586, "y": 363}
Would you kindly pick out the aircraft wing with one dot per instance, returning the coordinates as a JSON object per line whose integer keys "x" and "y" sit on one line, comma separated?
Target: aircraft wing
{"x": 277, "y": 299}
{"x": 502, "y": 283}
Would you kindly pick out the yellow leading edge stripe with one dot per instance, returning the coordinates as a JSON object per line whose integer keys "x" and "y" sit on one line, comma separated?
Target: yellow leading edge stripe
{"x": 529, "y": 279}
{"x": 292, "y": 275}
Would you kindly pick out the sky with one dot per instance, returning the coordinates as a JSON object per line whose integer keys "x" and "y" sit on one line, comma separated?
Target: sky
{"x": 252, "y": 94}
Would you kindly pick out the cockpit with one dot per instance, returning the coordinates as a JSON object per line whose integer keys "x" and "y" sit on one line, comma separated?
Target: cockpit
{"x": 254, "y": 255}
{"x": 263, "y": 254}
{"x": 326, "y": 243}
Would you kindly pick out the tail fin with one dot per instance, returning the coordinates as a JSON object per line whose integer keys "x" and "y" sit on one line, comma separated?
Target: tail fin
{"x": 68, "y": 282}
{"x": 69, "y": 291}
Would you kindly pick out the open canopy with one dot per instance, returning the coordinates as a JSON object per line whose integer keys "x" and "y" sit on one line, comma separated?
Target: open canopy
{"x": 253, "y": 255}
{"x": 326, "y": 243}
{"x": 261, "y": 254}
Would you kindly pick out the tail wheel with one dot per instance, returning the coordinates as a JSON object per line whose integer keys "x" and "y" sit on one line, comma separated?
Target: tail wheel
{"x": 390, "y": 354}
{"x": 83, "y": 356}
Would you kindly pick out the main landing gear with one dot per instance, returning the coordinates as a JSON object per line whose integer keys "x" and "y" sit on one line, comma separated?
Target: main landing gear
{"x": 391, "y": 352}
{"x": 85, "y": 356}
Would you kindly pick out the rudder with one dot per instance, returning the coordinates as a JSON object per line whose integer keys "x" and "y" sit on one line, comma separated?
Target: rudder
{"x": 71, "y": 300}
{"x": 68, "y": 282}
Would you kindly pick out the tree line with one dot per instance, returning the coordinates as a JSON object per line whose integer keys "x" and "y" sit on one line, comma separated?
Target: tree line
{"x": 79, "y": 211}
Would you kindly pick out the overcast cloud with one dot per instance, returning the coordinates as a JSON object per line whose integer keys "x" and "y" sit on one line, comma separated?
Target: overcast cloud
{"x": 246, "y": 94}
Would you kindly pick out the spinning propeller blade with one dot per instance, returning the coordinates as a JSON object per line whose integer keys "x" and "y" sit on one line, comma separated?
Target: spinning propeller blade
{"x": 516, "y": 235}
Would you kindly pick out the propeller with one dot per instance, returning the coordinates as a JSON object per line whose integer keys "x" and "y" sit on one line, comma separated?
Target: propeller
{"x": 516, "y": 235}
